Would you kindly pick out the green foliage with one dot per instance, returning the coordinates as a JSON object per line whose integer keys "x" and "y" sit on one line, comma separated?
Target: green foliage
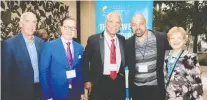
{"x": 176, "y": 13}
{"x": 48, "y": 13}
{"x": 202, "y": 58}
{"x": 192, "y": 16}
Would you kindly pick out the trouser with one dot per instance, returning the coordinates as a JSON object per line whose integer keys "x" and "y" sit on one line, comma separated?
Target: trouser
{"x": 146, "y": 93}
{"x": 37, "y": 91}
{"x": 109, "y": 89}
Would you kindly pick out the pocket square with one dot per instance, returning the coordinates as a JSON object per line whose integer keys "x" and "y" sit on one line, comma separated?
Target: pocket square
{"x": 79, "y": 57}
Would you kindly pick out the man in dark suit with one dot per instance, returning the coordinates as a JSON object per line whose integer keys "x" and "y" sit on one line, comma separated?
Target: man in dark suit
{"x": 144, "y": 53}
{"x": 61, "y": 65}
{"x": 103, "y": 62}
{"x": 20, "y": 58}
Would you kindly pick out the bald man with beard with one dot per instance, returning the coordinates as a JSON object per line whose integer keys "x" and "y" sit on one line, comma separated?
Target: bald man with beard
{"x": 144, "y": 53}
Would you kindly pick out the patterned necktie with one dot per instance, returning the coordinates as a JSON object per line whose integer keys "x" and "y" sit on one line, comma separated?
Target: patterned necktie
{"x": 113, "y": 74}
{"x": 69, "y": 55}
{"x": 70, "y": 59}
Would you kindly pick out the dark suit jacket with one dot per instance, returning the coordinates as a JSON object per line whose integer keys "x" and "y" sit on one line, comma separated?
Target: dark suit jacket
{"x": 17, "y": 71}
{"x": 53, "y": 67}
{"x": 162, "y": 45}
{"x": 93, "y": 59}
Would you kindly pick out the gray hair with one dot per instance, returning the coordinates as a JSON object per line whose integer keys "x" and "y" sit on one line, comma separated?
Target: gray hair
{"x": 113, "y": 13}
{"x": 22, "y": 18}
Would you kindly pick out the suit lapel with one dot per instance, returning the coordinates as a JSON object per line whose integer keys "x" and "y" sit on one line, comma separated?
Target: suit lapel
{"x": 101, "y": 43}
{"x": 62, "y": 54}
{"x": 133, "y": 53}
{"x": 75, "y": 52}
{"x": 37, "y": 45}
{"x": 158, "y": 44}
{"x": 121, "y": 50}
{"x": 23, "y": 48}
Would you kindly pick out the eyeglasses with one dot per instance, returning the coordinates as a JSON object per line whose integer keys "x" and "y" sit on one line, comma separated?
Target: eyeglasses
{"x": 69, "y": 28}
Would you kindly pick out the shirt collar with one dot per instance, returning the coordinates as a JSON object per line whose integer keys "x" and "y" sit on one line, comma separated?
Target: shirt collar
{"x": 27, "y": 40}
{"x": 65, "y": 41}
{"x": 108, "y": 37}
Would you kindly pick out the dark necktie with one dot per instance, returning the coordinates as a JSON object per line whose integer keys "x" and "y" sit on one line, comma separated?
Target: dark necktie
{"x": 113, "y": 74}
{"x": 69, "y": 55}
{"x": 70, "y": 58}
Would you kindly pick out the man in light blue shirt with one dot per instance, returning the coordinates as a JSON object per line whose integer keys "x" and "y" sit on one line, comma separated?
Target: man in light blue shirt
{"x": 20, "y": 71}
{"x": 33, "y": 57}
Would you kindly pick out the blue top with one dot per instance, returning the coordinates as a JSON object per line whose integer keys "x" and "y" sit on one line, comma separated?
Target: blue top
{"x": 33, "y": 57}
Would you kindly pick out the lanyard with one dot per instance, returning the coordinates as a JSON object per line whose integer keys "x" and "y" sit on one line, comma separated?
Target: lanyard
{"x": 172, "y": 67}
{"x": 143, "y": 54}
{"x": 108, "y": 43}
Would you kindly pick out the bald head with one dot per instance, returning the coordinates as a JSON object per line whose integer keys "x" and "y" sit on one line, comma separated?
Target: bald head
{"x": 113, "y": 23}
{"x": 138, "y": 17}
{"x": 138, "y": 24}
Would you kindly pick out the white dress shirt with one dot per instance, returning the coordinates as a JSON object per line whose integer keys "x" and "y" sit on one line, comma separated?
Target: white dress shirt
{"x": 64, "y": 41}
{"x": 107, "y": 46}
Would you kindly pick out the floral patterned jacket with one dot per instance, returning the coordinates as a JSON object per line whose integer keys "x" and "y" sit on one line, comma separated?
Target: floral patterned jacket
{"x": 185, "y": 82}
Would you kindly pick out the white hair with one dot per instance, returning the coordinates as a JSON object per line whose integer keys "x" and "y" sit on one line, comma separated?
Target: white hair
{"x": 113, "y": 13}
{"x": 22, "y": 18}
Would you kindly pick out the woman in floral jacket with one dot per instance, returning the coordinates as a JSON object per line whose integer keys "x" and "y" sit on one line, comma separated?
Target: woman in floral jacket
{"x": 181, "y": 69}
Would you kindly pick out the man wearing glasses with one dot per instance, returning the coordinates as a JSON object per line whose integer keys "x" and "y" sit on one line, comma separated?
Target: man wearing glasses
{"x": 61, "y": 65}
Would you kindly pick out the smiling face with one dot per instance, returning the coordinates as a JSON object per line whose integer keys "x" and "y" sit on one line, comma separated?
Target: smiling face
{"x": 28, "y": 23}
{"x": 68, "y": 29}
{"x": 138, "y": 24}
{"x": 177, "y": 41}
{"x": 113, "y": 23}
{"x": 177, "y": 38}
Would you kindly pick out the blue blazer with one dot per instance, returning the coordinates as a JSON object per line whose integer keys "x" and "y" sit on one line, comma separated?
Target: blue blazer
{"x": 17, "y": 72}
{"x": 53, "y": 67}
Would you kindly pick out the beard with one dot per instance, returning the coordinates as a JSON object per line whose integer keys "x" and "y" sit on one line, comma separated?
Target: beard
{"x": 139, "y": 33}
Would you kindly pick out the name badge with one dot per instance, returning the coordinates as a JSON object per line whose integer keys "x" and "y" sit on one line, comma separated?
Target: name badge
{"x": 70, "y": 74}
{"x": 143, "y": 68}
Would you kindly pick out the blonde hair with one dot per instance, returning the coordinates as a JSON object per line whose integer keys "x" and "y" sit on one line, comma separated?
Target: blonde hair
{"x": 176, "y": 29}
